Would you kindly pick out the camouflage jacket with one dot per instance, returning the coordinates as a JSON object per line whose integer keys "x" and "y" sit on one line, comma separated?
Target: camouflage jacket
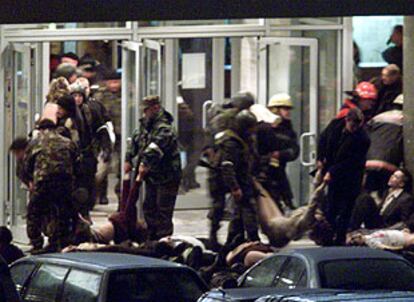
{"x": 112, "y": 103}
{"x": 235, "y": 161}
{"x": 155, "y": 145}
{"x": 51, "y": 155}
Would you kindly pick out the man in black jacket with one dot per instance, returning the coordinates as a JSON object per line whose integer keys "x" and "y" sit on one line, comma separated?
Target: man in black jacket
{"x": 389, "y": 87}
{"x": 281, "y": 104}
{"x": 344, "y": 162}
{"x": 395, "y": 208}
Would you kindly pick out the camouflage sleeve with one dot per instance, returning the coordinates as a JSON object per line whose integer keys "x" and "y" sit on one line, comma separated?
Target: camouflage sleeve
{"x": 76, "y": 159}
{"x": 230, "y": 154}
{"x": 29, "y": 161}
{"x": 133, "y": 147}
{"x": 159, "y": 145}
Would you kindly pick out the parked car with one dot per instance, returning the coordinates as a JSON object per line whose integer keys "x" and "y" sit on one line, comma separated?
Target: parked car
{"x": 251, "y": 294}
{"x": 341, "y": 296}
{"x": 104, "y": 277}
{"x": 331, "y": 267}
{"x": 8, "y": 291}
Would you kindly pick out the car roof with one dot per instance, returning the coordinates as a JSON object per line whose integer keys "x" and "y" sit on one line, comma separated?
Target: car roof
{"x": 336, "y": 253}
{"x": 248, "y": 293}
{"x": 103, "y": 261}
{"x": 341, "y": 296}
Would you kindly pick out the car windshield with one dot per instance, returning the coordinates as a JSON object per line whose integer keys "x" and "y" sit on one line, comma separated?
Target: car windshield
{"x": 367, "y": 274}
{"x": 154, "y": 285}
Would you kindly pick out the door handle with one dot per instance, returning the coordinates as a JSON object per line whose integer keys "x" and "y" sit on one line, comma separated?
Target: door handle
{"x": 206, "y": 105}
{"x": 312, "y": 152}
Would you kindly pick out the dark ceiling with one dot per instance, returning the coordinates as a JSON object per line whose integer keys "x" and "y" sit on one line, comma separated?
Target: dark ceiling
{"x": 24, "y": 11}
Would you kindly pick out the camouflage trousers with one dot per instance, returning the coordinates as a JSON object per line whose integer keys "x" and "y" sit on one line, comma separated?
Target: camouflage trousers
{"x": 244, "y": 220}
{"x": 50, "y": 212}
{"x": 158, "y": 208}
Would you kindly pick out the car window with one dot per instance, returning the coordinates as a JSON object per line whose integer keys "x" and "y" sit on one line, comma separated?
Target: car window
{"x": 20, "y": 272}
{"x": 154, "y": 285}
{"x": 81, "y": 286}
{"x": 291, "y": 273}
{"x": 264, "y": 273}
{"x": 387, "y": 274}
{"x": 46, "y": 283}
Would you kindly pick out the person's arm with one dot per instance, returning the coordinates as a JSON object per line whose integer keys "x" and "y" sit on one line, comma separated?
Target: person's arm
{"x": 230, "y": 158}
{"x": 160, "y": 144}
{"x": 132, "y": 149}
{"x": 292, "y": 152}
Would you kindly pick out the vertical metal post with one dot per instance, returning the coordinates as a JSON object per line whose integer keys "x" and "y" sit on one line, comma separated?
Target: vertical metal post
{"x": 3, "y": 148}
{"x": 347, "y": 55}
{"x": 171, "y": 77}
{"x": 235, "y": 65}
{"x": 408, "y": 63}
{"x": 218, "y": 70}
{"x": 45, "y": 71}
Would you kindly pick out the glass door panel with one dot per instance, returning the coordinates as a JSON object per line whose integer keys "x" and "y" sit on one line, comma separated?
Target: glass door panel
{"x": 290, "y": 65}
{"x": 22, "y": 123}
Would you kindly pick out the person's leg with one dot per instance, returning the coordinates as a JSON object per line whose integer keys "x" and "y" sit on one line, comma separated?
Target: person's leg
{"x": 34, "y": 220}
{"x": 249, "y": 217}
{"x": 266, "y": 207}
{"x": 216, "y": 215}
{"x": 166, "y": 197}
{"x": 236, "y": 225}
{"x": 150, "y": 210}
{"x": 365, "y": 212}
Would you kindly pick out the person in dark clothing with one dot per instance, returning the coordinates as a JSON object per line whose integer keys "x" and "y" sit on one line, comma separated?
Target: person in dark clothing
{"x": 222, "y": 121}
{"x": 235, "y": 166}
{"x": 155, "y": 146}
{"x": 386, "y": 152}
{"x": 343, "y": 158}
{"x": 8, "y": 251}
{"x": 389, "y": 87}
{"x": 394, "y": 54}
{"x": 396, "y": 207}
{"x": 281, "y": 104}
{"x": 91, "y": 140}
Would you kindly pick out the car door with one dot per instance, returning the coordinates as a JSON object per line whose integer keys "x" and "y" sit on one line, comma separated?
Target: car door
{"x": 264, "y": 273}
{"x": 46, "y": 284}
{"x": 292, "y": 275}
{"x": 81, "y": 285}
{"x": 20, "y": 272}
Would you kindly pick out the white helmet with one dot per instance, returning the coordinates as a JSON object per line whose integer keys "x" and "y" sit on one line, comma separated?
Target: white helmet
{"x": 280, "y": 100}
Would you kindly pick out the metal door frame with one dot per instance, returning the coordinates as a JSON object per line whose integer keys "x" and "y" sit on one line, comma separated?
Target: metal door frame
{"x": 262, "y": 76}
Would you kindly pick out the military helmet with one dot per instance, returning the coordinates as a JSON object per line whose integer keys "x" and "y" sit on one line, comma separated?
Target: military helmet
{"x": 65, "y": 70}
{"x": 77, "y": 88}
{"x": 245, "y": 120}
{"x": 242, "y": 100}
{"x": 280, "y": 100}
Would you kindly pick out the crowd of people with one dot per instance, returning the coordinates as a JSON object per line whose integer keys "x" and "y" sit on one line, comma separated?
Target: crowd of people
{"x": 362, "y": 193}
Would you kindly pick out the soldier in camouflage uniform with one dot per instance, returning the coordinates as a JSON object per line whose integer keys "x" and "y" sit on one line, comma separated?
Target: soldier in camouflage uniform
{"x": 223, "y": 121}
{"x": 51, "y": 163}
{"x": 235, "y": 157}
{"x": 110, "y": 97}
{"x": 156, "y": 148}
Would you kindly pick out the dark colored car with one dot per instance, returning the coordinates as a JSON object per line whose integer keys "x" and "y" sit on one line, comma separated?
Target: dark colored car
{"x": 251, "y": 294}
{"x": 8, "y": 291}
{"x": 355, "y": 268}
{"x": 87, "y": 277}
{"x": 341, "y": 296}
